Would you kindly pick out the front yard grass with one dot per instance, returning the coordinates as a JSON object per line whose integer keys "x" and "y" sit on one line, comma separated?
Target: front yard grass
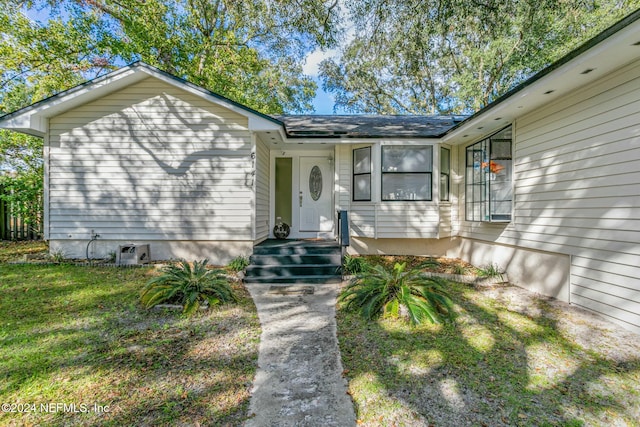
{"x": 15, "y": 251}
{"x": 78, "y": 336}
{"x": 499, "y": 364}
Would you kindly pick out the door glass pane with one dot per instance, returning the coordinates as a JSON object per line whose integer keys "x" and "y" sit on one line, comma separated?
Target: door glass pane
{"x": 315, "y": 183}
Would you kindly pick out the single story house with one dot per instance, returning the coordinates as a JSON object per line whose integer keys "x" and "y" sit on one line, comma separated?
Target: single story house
{"x": 544, "y": 181}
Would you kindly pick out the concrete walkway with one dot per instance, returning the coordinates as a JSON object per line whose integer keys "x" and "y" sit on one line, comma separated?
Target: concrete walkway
{"x": 299, "y": 380}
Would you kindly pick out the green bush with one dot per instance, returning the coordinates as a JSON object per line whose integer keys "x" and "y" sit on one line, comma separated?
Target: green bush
{"x": 490, "y": 270}
{"x": 239, "y": 263}
{"x": 460, "y": 269}
{"x": 430, "y": 264}
{"x": 381, "y": 292}
{"x": 188, "y": 285}
{"x": 354, "y": 264}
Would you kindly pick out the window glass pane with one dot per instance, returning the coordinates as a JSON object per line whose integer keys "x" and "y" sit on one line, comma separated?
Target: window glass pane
{"x": 501, "y": 149}
{"x": 444, "y": 173}
{"x": 488, "y": 178}
{"x": 362, "y": 187}
{"x": 445, "y": 160}
{"x": 406, "y": 159}
{"x": 444, "y": 187}
{"x": 401, "y": 186}
{"x": 362, "y": 160}
{"x": 501, "y": 191}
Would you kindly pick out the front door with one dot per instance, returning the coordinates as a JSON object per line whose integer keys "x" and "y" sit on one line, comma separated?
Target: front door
{"x": 315, "y": 199}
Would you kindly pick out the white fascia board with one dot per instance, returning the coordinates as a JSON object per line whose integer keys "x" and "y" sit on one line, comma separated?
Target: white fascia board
{"x": 257, "y": 123}
{"x": 24, "y": 124}
{"x": 387, "y": 139}
{"x": 33, "y": 120}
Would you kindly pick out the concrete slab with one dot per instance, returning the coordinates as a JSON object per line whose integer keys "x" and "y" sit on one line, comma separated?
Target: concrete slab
{"x": 299, "y": 380}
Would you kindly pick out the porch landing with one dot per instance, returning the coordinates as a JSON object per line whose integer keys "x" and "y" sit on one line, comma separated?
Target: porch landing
{"x": 295, "y": 261}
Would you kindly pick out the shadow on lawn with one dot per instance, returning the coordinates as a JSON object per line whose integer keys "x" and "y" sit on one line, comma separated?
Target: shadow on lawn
{"x": 492, "y": 367}
{"x": 84, "y": 341}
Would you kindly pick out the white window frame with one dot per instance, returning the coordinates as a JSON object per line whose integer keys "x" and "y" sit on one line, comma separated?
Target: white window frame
{"x": 486, "y": 166}
{"x": 428, "y": 174}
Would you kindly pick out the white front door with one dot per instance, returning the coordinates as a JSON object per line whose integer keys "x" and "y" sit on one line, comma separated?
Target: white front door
{"x": 315, "y": 198}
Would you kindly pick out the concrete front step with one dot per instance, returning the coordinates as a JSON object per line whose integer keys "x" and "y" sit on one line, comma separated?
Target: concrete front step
{"x": 294, "y": 279}
{"x": 294, "y": 270}
{"x": 330, "y": 258}
{"x": 294, "y": 261}
{"x": 296, "y": 250}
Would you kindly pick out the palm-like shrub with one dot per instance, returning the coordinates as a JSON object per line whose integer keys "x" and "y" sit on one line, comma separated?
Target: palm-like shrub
{"x": 354, "y": 264}
{"x": 239, "y": 263}
{"x": 188, "y": 285}
{"x": 381, "y": 292}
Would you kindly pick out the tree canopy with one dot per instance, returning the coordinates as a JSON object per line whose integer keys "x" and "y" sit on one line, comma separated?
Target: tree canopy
{"x": 444, "y": 56}
{"x": 251, "y": 51}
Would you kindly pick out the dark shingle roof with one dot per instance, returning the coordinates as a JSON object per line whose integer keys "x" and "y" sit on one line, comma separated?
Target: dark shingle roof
{"x": 367, "y": 126}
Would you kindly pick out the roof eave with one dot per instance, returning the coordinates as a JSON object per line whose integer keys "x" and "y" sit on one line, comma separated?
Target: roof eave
{"x": 33, "y": 119}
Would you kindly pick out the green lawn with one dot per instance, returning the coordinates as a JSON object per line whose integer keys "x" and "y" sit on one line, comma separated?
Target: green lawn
{"x": 15, "y": 251}
{"x": 496, "y": 366}
{"x": 77, "y": 335}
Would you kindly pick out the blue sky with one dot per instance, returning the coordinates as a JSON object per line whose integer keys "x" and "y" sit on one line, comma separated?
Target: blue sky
{"x": 324, "y": 101}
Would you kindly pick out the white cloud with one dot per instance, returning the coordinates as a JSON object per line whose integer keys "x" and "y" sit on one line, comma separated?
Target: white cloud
{"x": 313, "y": 60}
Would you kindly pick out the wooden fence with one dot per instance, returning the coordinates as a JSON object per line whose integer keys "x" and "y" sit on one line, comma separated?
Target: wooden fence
{"x": 13, "y": 227}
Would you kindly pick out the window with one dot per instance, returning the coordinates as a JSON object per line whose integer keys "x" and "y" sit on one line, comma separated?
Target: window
{"x": 445, "y": 167}
{"x": 362, "y": 174}
{"x": 488, "y": 179}
{"x": 406, "y": 172}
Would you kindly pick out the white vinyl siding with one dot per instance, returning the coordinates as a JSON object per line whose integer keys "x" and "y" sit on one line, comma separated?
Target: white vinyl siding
{"x": 343, "y": 175}
{"x": 445, "y": 228}
{"x": 263, "y": 179}
{"x": 150, "y": 162}
{"x": 411, "y": 219}
{"x": 363, "y": 220}
{"x": 408, "y": 220}
{"x": 577, "y": 192}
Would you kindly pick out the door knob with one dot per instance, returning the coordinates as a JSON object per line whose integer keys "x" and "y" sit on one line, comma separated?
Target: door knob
{"x": 301, "y": 199}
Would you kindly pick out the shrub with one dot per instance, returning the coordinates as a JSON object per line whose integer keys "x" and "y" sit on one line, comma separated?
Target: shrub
{"x": 490, "y": 270}
{"x": 58, "y": 256}
{"x": 354, "y": 264}
{"x": 460, "y": 269}
{"x": 189, "y": 286}
{"x": 239, "y": 263}
{"x": 429, "y": 264}
{"x": 381, "y": 292}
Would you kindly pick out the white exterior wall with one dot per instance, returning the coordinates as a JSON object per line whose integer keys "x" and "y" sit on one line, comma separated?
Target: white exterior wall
{"x": 343, "y": 177}
{"x": 151, "y": 164}
{"x": 577, "y": 193}
{"x": 445, "y": 222}
{"x": 263, "y": 179}
{"x": 390, "y": 219}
